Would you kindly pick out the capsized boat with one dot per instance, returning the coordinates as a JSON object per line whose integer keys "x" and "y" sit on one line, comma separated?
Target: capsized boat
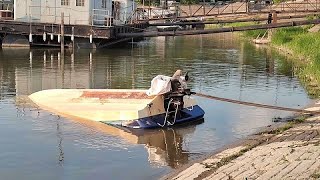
{"x": 168, "y": 102}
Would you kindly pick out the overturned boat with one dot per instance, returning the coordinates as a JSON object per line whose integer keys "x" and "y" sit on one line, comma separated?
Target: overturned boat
{"x": 168, "y": 102}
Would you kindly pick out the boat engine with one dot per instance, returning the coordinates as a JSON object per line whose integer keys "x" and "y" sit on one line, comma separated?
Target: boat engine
{"x": 173, "y": 100}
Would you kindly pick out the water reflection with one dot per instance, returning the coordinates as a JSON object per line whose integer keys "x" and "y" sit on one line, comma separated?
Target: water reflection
{"x": 127, "y": 71}
{"x": 60, "y": 146}
{"x": 165, "y": 147}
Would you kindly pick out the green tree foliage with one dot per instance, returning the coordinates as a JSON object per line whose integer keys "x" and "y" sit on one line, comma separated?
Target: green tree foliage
{"x": 189, "y": 2}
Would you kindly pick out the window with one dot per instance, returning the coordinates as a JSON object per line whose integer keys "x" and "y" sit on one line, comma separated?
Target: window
{"x": 65, "y": 2}
{"x": 104, "y": 4}
{"x": 79, "y": 2}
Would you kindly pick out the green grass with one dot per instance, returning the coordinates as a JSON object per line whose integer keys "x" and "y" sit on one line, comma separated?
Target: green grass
{"x": 296, "y": 120}
{"x": 226, "y": 160}
{"x": 249, "y": 34}
{"x": 281, "y": 129}
{"x": 306, "y": 46}
{"x": 252, "y": 33}
{"x": 285, "y": 35}
{"x": 316, "y": 175}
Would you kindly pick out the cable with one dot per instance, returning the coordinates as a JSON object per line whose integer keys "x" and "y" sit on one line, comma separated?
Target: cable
{"x": 256, "y": 104}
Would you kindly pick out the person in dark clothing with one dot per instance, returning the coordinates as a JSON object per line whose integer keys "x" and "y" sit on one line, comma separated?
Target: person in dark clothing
{"x": 269, "y": 18}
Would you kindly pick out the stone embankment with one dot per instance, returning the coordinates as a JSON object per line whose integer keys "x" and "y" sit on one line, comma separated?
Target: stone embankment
{"x": 291, "y": 151}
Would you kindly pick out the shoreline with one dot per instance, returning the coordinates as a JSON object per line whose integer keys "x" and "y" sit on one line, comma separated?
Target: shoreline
{"x": 231, "y": 145}
{"x": 206, "y": 166}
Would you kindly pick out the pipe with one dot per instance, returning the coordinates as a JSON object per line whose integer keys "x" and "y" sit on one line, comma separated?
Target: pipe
{"x": 229, "y": 21}
{"x": 218, "y": 30}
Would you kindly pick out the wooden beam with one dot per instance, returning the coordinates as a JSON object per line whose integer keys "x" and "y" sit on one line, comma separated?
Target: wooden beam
{"x": 62, "y": 34}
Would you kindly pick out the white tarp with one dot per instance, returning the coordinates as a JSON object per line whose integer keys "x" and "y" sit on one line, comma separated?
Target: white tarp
{"x": 162, "y": 84}
{"x": 159, "y": 85}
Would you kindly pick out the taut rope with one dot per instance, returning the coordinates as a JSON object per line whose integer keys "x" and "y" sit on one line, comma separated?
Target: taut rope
{"x": 256, "y": 104}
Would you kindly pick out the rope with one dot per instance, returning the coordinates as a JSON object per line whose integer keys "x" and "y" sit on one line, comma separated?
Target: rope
{"x": 256, "y": 104}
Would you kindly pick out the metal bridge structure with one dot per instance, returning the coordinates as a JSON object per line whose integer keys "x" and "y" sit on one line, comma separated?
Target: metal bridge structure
{"x": 223, "y": 9}
{"x": 193, "y": 18}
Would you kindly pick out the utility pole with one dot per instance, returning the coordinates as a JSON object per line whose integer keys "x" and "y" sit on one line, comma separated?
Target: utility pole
{"x": 204, "y": 7}
{"x": 143, "y": 9}
{"x": 62, "y": 34}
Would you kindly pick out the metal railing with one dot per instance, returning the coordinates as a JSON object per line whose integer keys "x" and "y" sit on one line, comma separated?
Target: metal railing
{"x": 6, "y": 6}
{"x": 229, "y": 8}
{"x": 101, "y": 17}
{"x": 94, "y": 17}
{"x": 36, "y": 14}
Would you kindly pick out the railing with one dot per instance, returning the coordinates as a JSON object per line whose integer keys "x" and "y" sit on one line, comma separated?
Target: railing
{"x": 101, "y": 17}
{"x": 6, "y": 6}
{"x": 95, "y": 17}
{"x": 35, "y": 14}
{"x": 154, "y": 13}
{"x": 228, "y": 8}
{"x": 126, "y": 17}
{"x": 98, "y": 17}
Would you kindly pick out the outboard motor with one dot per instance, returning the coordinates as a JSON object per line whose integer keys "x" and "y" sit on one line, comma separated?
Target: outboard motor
{"x": 173, "y": 100}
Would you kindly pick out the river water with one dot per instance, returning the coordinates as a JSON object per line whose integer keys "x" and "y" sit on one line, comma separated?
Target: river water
{"x": 36, "y": 144}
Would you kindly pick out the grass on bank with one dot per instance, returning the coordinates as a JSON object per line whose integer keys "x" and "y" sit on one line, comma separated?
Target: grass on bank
{"x": 306, "y": 46}
{"x": 250, "y": 34}
{"x": 300, "y": 43}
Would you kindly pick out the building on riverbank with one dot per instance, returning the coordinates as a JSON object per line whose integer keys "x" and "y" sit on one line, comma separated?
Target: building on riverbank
{"x": 86, "y": 23}
{"x": 6, "y": 9}
{"x": 76, "y": 12}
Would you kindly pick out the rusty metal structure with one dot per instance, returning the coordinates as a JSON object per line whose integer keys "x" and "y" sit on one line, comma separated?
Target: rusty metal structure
{"x": 220, "y": 30}
{"x": 219, "y": 9}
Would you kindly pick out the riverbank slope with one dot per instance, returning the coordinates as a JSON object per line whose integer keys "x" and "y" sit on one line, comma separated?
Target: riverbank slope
{"x": 291, "y": 151}
{"x": 304, "y": 46}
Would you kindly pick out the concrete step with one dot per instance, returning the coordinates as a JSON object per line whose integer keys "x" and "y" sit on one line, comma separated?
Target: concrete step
{"x": 315, "y": 28}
